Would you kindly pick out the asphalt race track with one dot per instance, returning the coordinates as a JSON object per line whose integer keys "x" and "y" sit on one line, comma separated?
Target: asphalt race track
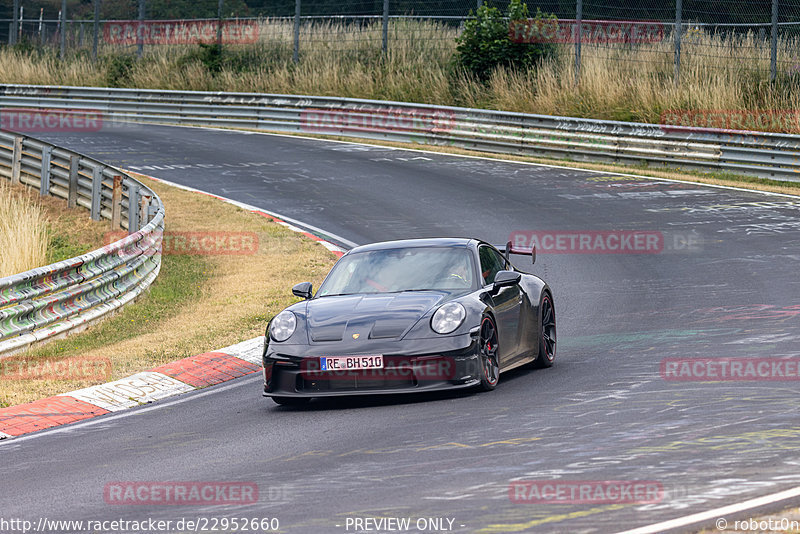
{"x": 723, "y": 283}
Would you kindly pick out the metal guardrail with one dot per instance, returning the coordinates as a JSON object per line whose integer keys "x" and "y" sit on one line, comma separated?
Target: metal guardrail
{"x": 46, "y": 302}
{"x": 768, "y": 155}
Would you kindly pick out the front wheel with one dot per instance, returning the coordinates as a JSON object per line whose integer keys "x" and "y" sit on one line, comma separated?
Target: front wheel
{"x": 490, "y": 369}
{"x": 547, "y": 332}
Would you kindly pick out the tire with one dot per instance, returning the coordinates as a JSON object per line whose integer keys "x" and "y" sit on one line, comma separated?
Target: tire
{"x": 547, "y": 332}
{"x": 291, "y": 401}
{"x": 489, "y": 366}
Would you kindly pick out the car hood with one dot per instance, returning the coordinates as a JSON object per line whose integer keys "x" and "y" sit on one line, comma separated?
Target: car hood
{"x": 379, "y": 316}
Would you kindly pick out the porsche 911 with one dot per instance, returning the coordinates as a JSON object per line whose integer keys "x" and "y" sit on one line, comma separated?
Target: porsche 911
{"x": 408, "y": 317}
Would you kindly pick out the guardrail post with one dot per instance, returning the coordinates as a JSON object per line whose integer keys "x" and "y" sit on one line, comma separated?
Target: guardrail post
{"x": 72, "y": 193}
{"x": 116, "y": 203}
{"x": 144, "y": 204}
{"x": 44, "y": 185}
{"x": 97, "y": 185}
{"x": 16, "y": 160}
{"x": 133, "y": 207}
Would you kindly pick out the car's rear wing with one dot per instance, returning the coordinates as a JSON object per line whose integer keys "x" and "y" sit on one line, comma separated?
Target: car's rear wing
{"x": 509, "y": 248}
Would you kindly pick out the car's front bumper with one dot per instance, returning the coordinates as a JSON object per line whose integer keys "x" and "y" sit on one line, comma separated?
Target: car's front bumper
{"x": 293, "y": 371}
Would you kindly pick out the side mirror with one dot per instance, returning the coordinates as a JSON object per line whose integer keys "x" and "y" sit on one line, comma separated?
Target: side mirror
{"x": 506, "y": 278}
{"x": 302, "y": 290}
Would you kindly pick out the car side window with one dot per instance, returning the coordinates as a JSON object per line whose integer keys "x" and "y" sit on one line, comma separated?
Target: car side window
{"x": 491, "y": 263}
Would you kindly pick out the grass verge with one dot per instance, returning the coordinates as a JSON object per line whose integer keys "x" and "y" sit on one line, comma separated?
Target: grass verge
{"x": 198, "y": 303}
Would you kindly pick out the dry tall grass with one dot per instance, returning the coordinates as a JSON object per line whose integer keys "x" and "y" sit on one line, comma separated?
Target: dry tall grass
{"x": 618, "y": 81}
{"x": 23, "y": 233}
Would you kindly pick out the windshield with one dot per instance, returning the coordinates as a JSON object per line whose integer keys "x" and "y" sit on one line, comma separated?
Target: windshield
{"x": 403, "y": 269}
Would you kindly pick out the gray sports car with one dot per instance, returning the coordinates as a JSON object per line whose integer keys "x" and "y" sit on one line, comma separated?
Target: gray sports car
{"x": 410, "y": 316}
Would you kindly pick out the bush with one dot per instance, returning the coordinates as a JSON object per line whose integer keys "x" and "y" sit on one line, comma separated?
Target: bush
{"x": 119, "y": 69}
{"x": 215, "y": 58}
{"x": 210, "y": 55}
{"x": 485, "y": 44}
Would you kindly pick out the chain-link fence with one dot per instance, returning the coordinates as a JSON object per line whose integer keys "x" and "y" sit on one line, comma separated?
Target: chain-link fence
{"x": 661, "y": 37}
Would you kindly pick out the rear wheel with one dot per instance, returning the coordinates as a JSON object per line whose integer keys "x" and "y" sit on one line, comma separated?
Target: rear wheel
{"x": 291, "y": 401}
{"x": 547, "y": 336}
{"x": 490, "y": 369}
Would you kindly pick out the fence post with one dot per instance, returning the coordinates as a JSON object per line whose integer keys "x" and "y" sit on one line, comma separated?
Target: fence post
{"x": 116, "y": 203}
{"x": 296, "y": 52}
{"x": 63, "y": 36}
{"x": 773, "y": 52}
{"x": 480, "y": 3}
{"x": 385, "y": 44}
{"x": 133, "y": 207}
{"x": 578, "y": 33}
{"x": 12, "y": 36}
{"x": 678, "y": 31}
{"x": 44, "y": 185}
{"x": 97, "y": 185}
{"x": 140, "y": 30}
{"x": 72, "y": 193}
{"x": 96, "y": 37}
{"x": 219, "y": 23}
{"x": 16, "y": 160}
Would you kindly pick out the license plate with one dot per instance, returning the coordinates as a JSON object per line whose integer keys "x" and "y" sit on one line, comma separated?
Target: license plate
{"x": 350, "y": 363}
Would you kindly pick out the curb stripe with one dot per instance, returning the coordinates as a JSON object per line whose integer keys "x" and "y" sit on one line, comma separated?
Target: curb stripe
{"x": 207, "y": 369}
{"x": 45, "y": 413}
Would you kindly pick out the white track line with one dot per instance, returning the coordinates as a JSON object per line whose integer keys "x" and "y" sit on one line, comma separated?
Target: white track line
{"x": 716, "y": 513}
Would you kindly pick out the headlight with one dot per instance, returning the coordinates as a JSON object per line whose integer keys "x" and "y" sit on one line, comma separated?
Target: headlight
{"x": 282, "y": 326}
{"x": 448, "y": 318}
